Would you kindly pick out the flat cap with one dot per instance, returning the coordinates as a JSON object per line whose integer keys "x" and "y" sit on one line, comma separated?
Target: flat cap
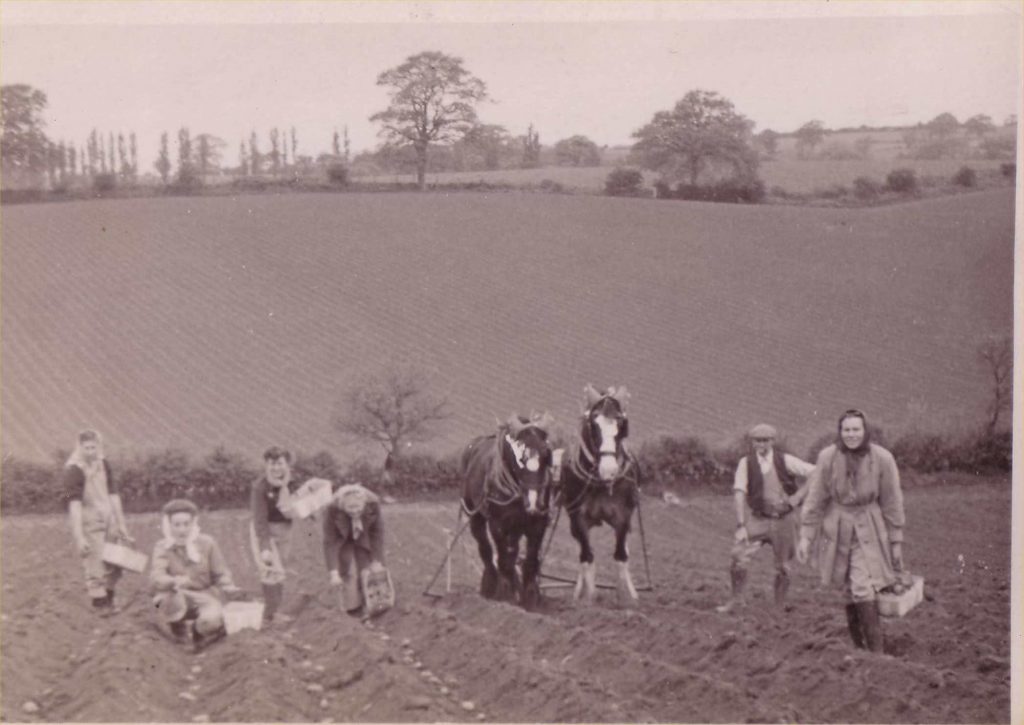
{"x": 762, "y": 430}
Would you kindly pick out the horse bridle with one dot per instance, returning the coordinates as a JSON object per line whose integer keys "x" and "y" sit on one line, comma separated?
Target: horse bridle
{"x": 508, "y": 483}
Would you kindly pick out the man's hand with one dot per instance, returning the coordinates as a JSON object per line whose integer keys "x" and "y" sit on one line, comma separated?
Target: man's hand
{"x": 125, "y": 536}
{"x": 180, "y": 582}
{"x": 803, "y": 550}
{"x": 83, "y": 547}
{"x": 267, "y": 556}
{"x": 375, "y": 567}
{"x": 741, "y": 535}
{"x": 335, "y": 578}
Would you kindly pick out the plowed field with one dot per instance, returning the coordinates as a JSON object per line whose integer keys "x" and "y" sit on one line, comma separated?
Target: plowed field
{"x": 462, "y": 659}
{"x": 191, "y": 322}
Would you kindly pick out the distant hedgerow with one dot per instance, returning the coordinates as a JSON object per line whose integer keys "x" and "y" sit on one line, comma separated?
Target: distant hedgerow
{"x": 902, "y": 181}
{"x": 865, "y": 188}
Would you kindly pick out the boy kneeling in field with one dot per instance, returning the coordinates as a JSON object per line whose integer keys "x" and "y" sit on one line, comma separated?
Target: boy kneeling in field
{"x": 188, "y": 569}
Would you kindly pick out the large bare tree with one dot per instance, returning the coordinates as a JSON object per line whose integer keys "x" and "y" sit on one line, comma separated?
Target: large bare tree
{"x": 433, "y": 101}
{"x": 392, "y": 407}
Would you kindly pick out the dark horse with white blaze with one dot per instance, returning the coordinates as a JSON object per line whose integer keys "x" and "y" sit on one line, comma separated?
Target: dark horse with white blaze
{"x": 506, "y": 490}
{"x": 600, "y": 483}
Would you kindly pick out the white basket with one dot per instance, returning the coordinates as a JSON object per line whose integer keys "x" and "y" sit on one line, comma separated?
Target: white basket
{"x": 124, "y": 557}
{"x": 306, "y": 506}
{"x": 896, "y": 605}
{"x": 242, "y": 615}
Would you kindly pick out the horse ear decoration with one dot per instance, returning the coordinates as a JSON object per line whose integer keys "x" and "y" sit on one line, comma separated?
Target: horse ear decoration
{"x": 620, "y": 394}
{"x": 542, "y": 420}
{"x": 592, "y": 394}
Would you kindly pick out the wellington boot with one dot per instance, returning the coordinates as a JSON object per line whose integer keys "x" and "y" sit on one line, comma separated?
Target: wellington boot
{"x": 853, "y": 622}
{"x": 870, "y": 624}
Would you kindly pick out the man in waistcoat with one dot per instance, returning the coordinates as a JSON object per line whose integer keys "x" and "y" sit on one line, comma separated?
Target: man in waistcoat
{"x": 767, "y": 500}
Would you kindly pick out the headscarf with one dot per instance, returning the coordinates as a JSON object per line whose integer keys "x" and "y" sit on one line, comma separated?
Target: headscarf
{"x": 352, "y": 498}
{"x": 177, "y": 506}
{"x": 853, "y": 456}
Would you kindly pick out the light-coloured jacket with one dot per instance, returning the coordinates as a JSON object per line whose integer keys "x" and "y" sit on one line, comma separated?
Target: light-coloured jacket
{"x": 868, "y": 505}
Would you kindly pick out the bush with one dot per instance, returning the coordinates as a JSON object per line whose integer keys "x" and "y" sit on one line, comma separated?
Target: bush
{"x": 966, "y": 176}
{"x": 902, "y": 181}
{"x": 552, "y": 187}
{"x": 836, "y": 191}
{"x": 726, "y": 191}
{"x": 624, "y": 182}
{"x": 866, "y": 189}
{"x": 668, "y": 461}
{"x": 104, "y": 183}
{"x": 337, "y": 174}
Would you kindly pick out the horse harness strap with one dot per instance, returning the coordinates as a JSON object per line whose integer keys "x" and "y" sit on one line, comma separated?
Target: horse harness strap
{"x": 589, "y": 475}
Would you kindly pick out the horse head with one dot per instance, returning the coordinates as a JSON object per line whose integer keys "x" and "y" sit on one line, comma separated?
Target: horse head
{"x": 527, "y": 454}
{"x": 605, "y": 427}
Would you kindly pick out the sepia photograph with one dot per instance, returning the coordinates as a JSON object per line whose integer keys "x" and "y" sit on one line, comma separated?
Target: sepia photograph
{"x": 546, "y": 362}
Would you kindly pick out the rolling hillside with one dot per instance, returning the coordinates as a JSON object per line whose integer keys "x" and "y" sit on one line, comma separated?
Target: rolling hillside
{"x": 198, "y": 321}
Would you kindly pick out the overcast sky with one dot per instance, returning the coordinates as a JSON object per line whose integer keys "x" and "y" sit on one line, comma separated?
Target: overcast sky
{"x": 598, "y": 69}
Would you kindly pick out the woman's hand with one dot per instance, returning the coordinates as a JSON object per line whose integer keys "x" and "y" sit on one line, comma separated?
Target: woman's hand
{"x": 803, "y": 550}
{"x": 896, "y": 548}
{"x": 125, "y": 536}
{"x": 267, "y": 557}
{"x": 335, "y": 578}
{"x": 741, "y": 535}
{"x": 182, "y": 581}
{"x": 83, "y": 547}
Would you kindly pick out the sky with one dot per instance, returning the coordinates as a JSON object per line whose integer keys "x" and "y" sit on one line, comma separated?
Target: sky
{"x": 601, "y": 69}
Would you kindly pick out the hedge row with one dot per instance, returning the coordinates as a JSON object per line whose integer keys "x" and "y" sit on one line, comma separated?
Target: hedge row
{"x": 222, "y": 479}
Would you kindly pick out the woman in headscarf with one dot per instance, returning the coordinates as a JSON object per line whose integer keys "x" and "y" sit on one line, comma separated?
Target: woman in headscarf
{"x": 189, "y": 575}
{"x": 854, "y": 499}
{"x": 353, "y": 540}
{"x": 94, "y": 508}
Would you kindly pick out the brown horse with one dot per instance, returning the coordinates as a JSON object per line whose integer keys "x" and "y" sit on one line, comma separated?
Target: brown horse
{"x": 506, "y": 491}
{"x": 600, "y": 483}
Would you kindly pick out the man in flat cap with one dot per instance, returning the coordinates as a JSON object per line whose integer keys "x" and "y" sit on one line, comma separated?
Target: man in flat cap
{"x": 767, "y": 498}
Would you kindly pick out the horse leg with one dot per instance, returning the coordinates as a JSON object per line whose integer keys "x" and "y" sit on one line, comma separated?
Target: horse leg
{"x": 508, "y": 552}
{"x": 489, "y": 580}
{"x": 586, "y": 582}
{"x": 530, "y": 596}
{"x": 627, "y": 592}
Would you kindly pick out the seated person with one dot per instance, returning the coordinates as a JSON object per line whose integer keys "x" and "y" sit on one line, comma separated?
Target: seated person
{"x": 187, "y": 571}
{"x": 353, "y": 540}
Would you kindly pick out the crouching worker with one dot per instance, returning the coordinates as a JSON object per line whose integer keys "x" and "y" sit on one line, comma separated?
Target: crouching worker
{"x": 353, "y": 540}
{"x": 188, "y": 570}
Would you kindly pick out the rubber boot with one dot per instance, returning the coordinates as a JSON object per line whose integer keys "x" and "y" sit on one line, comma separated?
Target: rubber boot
{"x": 853, "y": 623}
{"x": 870, "y": 624}
{"x": 781, "y": 588}
{"x": 739, "y": 585}
{"x": 272, "y": 595}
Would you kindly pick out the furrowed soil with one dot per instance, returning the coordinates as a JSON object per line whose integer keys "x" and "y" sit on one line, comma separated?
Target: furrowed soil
{"x": 460, "y": 658}
{"x": 193, "y": 322}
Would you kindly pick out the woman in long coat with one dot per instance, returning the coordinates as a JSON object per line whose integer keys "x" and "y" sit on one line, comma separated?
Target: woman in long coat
{"x": 855, "y": 501}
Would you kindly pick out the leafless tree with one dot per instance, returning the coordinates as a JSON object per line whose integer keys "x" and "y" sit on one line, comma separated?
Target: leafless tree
{"x": 997, "y": 355}
{"x": 392, "y": 408}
